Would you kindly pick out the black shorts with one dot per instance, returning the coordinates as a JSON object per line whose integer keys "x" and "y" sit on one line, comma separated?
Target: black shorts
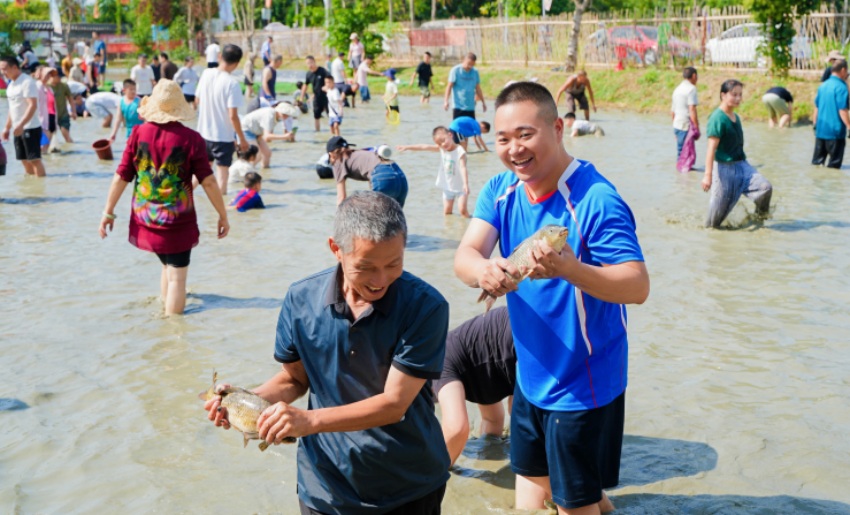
{"x": 427, "y": 505}
{"x": 394, "y": 108}
{"x": 457, "y": 113}
{"x": 248, "y": 83}
{"x": 178, "y": 260}
{"x": 457, "y": 137}
{"x": 3, "y": 169}
{"x": 324, "y": 172}
{"x": 578, "y": 450}
{"x": 320, "y": 105}
{"x": 51, "y": 123}
{"x": 221, "y": 152}
{"x": 28, "y": 145}
{"x": 189, "y": 98}
{"x": 212, "y": 65}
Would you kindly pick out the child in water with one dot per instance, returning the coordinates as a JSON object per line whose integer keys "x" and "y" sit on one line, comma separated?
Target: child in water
{"x": 336, "y": 100}
{"x": 452, "y": 176}
{"x": 249, "y": 198}
{"x": 245, "y": 163}
{"x": 581, "y": 127}
{"x": 128, "y": 110}
{"x": 391, "y": 92}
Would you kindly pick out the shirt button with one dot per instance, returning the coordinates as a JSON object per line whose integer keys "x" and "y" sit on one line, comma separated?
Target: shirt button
{"x": 353, "y": 353}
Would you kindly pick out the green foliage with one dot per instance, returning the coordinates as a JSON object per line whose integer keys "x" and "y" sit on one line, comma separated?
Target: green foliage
{"x": 11, "y": 13}
{"x": 179, "y": 29}
{"x": 353, "y": 19}
{"x": 652, "y": 76}
{"x": 777, "y": 20}
{"x": 141, "y": 32}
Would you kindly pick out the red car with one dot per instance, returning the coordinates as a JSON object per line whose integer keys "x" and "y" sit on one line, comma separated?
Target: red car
{"x": 640, "y": 42}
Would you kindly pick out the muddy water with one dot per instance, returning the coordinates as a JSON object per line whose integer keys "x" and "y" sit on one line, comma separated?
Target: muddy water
{"x": 738, "y": 397}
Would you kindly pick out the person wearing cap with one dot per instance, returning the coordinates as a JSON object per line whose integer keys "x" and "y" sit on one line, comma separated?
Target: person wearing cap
{"x": 356, "y": 51}
{"x": 259, "y": 125}
{"x": 382, "y": 174}
{"x": 831, "y": 57}
{"x": 464, "y": 87}
{"x": 391, "y": 92}
{"x": 831, "y": 118}
{"x": 161, "y": 158}
{"x": 143, "y": 76}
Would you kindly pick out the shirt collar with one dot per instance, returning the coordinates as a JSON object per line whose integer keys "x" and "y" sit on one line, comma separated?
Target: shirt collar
{"x": 335, "y": 297}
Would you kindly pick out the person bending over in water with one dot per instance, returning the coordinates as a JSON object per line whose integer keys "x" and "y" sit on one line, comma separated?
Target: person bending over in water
{"x": 581, "y": 127}
{"x": 480, "y": 367}
{"x": 734, "y": 176}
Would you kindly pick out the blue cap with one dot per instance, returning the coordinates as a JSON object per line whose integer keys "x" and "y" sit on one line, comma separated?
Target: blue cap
{"x": 390, "y": 73}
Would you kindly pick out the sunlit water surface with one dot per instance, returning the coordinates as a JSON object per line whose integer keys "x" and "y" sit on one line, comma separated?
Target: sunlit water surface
{"x": 738, "y": 395}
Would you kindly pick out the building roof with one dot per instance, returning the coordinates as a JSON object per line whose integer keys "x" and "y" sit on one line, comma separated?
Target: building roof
{"x": 47, "y": 26}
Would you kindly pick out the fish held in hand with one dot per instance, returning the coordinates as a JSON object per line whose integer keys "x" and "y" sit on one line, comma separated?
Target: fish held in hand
{"x": 554, "y": 235}
{"x": 243, "y": 409}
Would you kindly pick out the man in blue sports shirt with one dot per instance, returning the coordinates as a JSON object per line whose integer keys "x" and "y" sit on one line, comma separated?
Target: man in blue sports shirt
{"x": 569, "y": 326}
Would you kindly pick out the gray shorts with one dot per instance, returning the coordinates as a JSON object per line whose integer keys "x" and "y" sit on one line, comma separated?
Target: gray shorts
{"x": 776, "y": 105}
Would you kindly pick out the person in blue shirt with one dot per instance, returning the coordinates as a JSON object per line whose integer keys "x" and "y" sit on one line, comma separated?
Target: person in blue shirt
{"x": 569, "y": 325}
{"x": 99, "y": 47}
{"x": 831, "y": 118}
{"x": 266, "y": 51}
{"x": 249, "y": 198}
{"x": 464, "y": 87}
{"x": 365, "y": 339}
{"x": 464, "y": 127}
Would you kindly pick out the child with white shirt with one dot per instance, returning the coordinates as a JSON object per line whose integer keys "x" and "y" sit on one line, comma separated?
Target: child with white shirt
{"x": 581, "y": 127}
{"x": 336, "y": 99}
{"x": 245, "y": 163}
{"x": 452, "y": 176}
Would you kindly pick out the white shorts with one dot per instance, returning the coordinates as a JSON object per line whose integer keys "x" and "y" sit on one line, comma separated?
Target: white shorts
{"x": 451, "y": 195}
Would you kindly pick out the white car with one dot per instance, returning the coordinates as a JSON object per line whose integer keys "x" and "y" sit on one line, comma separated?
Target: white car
{"x": 740, "y": 45}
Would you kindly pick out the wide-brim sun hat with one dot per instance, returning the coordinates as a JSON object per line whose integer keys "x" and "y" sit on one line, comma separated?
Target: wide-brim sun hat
{"x": 287, "y": 109}
{"x": 166, "y": 104}
{"x": 353, "y": 36}
{"x": 834, "y": 55}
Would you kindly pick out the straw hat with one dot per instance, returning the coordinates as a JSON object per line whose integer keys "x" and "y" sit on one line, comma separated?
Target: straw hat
{"x": 287, "y": 109}
{"x": 166, "y": 104}
{"x": 834, "y": 55}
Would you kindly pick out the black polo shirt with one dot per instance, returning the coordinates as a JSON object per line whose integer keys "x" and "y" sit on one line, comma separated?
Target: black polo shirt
{"x": 480, "y": 354}
{"x": 348, "y": 360}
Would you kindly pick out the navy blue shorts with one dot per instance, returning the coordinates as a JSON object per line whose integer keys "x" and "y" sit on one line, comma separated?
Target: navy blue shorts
{"x": 578, "y": 450}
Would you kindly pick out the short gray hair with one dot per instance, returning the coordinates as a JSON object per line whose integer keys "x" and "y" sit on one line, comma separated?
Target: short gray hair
{"x": 368, "y": 215}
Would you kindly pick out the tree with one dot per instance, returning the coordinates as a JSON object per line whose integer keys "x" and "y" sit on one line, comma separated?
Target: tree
{"x": 572, "y": 49}
{"x": 244, "y": 11}
{"x": 777, "y": 20}
{"x": 353, "y": 19}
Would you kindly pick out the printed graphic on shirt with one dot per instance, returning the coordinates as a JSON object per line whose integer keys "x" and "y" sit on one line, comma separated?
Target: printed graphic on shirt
{"x": 160, "y": 195}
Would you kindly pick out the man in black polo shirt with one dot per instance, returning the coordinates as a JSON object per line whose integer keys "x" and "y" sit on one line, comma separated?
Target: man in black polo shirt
{"x": 365, "y": 338}
{"x": 316, "y": 78}
{"x": 480, "y": 367}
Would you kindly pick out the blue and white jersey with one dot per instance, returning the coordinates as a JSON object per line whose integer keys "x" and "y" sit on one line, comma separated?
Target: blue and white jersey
{"x": 572, "y": 349}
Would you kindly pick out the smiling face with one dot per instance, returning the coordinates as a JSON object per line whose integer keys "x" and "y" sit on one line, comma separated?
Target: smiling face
{"x": 528, "y": 144}
{"x": 370, "y": 268}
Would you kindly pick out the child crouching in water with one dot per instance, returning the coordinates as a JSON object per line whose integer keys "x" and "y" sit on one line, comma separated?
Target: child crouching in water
{"x": 245, "y": 163}
{"x": 249, "y": 198}
{"x": 581, "y": 127}
{"x": 452, "y": 176}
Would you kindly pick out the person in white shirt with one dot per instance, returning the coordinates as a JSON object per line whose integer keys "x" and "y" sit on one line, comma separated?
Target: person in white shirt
{"x": 581, "y": 127}
{"x": 363, "y": 72}
{"x": 22, "y": 122}
{"x": 142, "y": 75}
{"x": 336, "y": 101}
{"x": 218, "y": 99}
{"x": 356, "y": 51}
{"x": 212, "y": 53}
{"x": 684, "y": 109}
{"x": 187, "y": 77}
{"x": 259, "y": 124}
{"x": 103, "y": 105}
{"x": 338, "y": 72}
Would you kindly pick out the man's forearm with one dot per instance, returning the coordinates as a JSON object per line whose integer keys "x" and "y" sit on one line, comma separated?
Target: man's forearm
{"x": 626, "y": 283}
{"x": 469, "y": 264}
{"x": 281, "y": 388}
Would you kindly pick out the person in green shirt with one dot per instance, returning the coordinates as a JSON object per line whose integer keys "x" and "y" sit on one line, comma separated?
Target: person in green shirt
{"x": 734, "y": 176}
{"x": 63, "y": 98}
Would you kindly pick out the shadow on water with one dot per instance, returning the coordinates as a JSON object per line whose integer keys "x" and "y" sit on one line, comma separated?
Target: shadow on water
{"x": 660, "y": 504}
{"x": 648, "y": 460}
{"x": 488, "y": 447}
{"x": 41, "y": 200}
{"x": 88, "y": 175}
{"x": 503, "y": 478}
{"x": 7, "y": 404}
{"x": 210, "y": 301}
{"x": 421, "y": 243}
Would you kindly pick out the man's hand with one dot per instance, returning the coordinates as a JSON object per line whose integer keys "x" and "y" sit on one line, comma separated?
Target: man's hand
{"x": 499, "y": 277}
{"x": 243, "y": 145}
{"x": 215, "y": 411}
{"x": 483, "y": 107}
{"x": 5, "y": 135}
{"x": 18, "y": 130}
{"x": 548, "y": 264}
{"x": 446, "y": 105}
{"x": 281, "y": 420}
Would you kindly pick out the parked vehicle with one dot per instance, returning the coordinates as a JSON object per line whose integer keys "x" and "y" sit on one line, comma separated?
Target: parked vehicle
{"x": 740, "y": 44}
{"x": 641, "y": 43}
{"x": 42, "y": 48}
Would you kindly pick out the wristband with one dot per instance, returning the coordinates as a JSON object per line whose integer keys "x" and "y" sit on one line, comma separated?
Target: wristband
{"x": 109, "y": 216}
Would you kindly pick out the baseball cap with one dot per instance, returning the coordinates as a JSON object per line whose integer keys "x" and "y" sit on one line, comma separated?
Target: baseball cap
{"x": 390, "y": 73}
{"x": 338, "y": 142}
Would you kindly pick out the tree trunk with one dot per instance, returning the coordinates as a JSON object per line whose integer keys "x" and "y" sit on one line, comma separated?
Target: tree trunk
{"x": 412, "y": 14}
{"x": 572, "y": 49}
{"x": 433, "y": 10}
{"x": 390, "y": 10}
